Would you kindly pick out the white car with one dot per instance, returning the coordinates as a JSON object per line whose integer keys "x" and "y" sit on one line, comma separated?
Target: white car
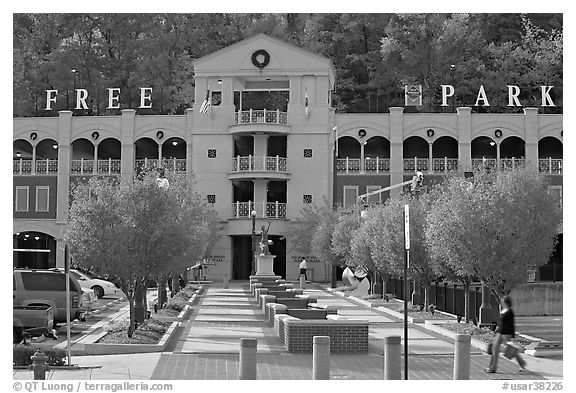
{"x": 100, "y": 287}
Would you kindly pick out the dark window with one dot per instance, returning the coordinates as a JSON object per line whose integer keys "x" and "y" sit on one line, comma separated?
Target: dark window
{"x": 35, "y": 281}
{"x": 211, "y": 153}
{"x": 216, "y": 98}
{"x": 307, "y": 153}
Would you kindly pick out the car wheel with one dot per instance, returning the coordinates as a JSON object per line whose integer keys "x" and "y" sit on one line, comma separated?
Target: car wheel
{"x": 98, "y": 291}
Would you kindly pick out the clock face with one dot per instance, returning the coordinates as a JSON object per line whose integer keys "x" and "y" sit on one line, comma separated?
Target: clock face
{"x": 260, "y": 58}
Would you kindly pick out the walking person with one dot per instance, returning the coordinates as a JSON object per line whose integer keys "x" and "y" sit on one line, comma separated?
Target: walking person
{"x": 504, "y": 333}
{"x": 303, "y": 266}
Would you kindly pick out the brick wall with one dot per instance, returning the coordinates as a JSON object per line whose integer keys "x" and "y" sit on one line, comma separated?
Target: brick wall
{"x": 345, "y": 335}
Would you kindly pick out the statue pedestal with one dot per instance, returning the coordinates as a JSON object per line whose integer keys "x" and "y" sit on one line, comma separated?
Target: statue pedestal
{"x": 265, "y": 265}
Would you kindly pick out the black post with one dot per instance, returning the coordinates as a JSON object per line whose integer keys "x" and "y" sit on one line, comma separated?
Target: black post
{"x": 406, "y": 290}
{"x": 253, "y": 247}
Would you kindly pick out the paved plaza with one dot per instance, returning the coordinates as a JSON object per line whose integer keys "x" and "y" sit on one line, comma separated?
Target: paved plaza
{"x": 209, "y": 344}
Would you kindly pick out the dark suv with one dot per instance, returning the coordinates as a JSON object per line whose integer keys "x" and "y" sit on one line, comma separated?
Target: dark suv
{"x": 47, "y": 287}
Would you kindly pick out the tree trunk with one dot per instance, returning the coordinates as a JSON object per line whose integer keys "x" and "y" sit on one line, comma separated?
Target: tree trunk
{"x": 145, "y": 298}
{"x": 175, "y": 284}
{"x": 466, "y": 301}
{"x": 162, "y": 295}
{"x": 426, "y": 297}
{"x": 132, "y": 316}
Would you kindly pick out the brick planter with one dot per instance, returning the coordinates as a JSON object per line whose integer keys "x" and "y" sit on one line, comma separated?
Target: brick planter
{"x": 345, "y": 335}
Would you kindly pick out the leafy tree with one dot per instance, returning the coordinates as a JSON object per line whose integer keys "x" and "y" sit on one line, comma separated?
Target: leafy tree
{"x": 384, "y": 226}
{"x": 135, "y": 231}
{"x": 495, "y": 230}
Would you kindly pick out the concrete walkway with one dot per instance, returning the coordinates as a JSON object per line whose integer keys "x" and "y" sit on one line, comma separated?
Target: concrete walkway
{"x": 209, "y": 345}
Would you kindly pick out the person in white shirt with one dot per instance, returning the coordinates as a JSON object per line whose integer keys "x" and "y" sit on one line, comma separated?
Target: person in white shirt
{"x": 303, "y": 267}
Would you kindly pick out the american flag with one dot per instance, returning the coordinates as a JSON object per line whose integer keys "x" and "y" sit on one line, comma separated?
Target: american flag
{"x": 207, "y": 103}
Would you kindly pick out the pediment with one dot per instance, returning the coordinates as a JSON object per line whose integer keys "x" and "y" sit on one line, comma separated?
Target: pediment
{"x": 284, "y": 59}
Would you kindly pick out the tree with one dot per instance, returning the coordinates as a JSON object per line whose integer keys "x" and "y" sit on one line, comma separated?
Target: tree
{"x": 135, "y": 231}
{"x": 497, "y": 229}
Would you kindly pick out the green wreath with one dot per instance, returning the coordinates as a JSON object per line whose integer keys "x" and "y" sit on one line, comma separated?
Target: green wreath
{"x": 257, "y": 62}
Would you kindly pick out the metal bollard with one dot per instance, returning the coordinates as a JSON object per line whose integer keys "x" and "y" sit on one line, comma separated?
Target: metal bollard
{"x": 321, "y": 357}
{"x": 302, "y": 281}
{"x": 462, "y": 357}
{"x": 392, "y": 361}
{"x": 248, "y": 358}
{"x": 39, "y": 365}
{"x": 225, "y": 281}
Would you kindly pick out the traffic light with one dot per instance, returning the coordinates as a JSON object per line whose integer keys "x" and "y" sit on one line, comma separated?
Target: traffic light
{"x": 417, "y": 182}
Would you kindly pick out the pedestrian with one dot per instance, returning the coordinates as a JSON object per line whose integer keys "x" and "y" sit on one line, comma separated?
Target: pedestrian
{"x": 303, "y": 266}
{"x": 505, "y": 331}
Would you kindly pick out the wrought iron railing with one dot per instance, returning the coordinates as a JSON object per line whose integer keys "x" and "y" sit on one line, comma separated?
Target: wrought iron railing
{"x": 263, "y": 116}
{"x": 25, "y": 166}
{"x": 376, "y": 164}
{"x": 444, "y": 164}
{"x": 509, "y": 164}
{"x": 259, "y": 163}
{"x": 22, "y": 166}
{"x": 416, "y": 164}
{"x": 484, "y": 163}
{"x": 174, "y": 165}
{"x": 109, "y": 166}
{"x": 263, "y": 209}
{"x": 348, "y": 165}
{"x": 552, "y": 166}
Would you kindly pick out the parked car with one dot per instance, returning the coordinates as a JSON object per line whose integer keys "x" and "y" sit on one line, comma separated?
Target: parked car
{"x": 100, "y": 287}
{"x": 47, "y": 287}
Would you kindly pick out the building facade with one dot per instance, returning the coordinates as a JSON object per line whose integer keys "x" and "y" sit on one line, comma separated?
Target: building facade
{"x": 270, "y": 143}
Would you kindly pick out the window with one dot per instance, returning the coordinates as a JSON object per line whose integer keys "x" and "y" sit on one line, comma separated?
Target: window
{"x": 350, "y": 195}
{"x": 42, "y": 198}
{"x": 556, "y": 191}
{"x": 22, "y": 198}
{"x": 211, "y": 198}
{"x": 307, "y": 153}
{"x": 211, "y": 153}
{"x": 372, "y": 199}
{"x": 307, "y": 198}
{"x": 216, "y": 98}
{"x": 36, "y": 281}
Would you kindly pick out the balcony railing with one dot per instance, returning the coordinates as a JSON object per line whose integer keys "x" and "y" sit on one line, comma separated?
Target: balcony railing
{"x": 416, "y": 164}
{"x": 484, "y": 163}
{"x": 376, "y": 164}
{"x": 109, "y": 166}
{"x": 82, "y": 167}
{"x": 509, "y": 164}
{"x": 552, "y": 166}
{"x": 348, "y": 165}
{"x": 444, "y": 164}
{"x": 174, "y": 165}
{"x": 261, "y": 117}
{"x": 259, "y": 163}
{"x": 263, "y": 209}
{"x": 42, "y": 167}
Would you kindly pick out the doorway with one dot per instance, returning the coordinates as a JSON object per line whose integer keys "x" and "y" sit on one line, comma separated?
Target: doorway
{"x": 242, "y": 261}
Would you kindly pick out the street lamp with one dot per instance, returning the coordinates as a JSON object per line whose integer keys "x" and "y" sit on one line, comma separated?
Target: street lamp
{"x": 253, "y": 248}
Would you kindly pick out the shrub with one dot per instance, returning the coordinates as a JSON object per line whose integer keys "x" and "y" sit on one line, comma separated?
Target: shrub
{"x": 176, "y": 304}
{"x": 21, "y": 355}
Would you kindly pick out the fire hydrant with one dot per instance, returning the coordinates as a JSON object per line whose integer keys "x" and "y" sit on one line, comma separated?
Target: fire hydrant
{"x": 39, "y": 365}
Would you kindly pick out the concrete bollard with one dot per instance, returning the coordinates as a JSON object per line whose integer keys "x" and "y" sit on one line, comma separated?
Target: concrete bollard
{"x": 321, "y": 357}
{"x": 225, "y": 281}
{"x": 248, "y": 358}
{"x": 392, "y": 361}
{"x": 462, "y": 356}
{"x": 302, "y": 281}
{"x": 39, "y": 365}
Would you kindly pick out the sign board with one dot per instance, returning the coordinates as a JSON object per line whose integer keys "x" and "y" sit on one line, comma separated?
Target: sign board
{"x": 407, "y": 227}
{"x": 309, "y": 259}
{"x": 413, "y": 95}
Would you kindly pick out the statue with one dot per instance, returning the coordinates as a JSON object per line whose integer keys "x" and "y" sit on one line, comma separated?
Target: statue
{"x": 264, "y": 240}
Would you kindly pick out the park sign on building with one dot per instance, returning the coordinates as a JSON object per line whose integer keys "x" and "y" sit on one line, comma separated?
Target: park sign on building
{"x": 412, "y": 97}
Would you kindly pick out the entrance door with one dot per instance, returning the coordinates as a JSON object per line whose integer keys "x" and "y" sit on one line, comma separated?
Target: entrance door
{"x": 241, "y": 261}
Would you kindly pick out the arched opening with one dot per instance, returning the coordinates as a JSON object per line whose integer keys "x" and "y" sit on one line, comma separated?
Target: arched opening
{"x": 349, "y": 155}
{"x": 109, "y": 156}
{"x": 377, "y": 154}
{"x": 416, "y": 153}
{"x": 174, "y": 155}
{"x": 22, "y": 156}
{"x": 445, "y": 154}
{"x": 146, "y": 154}
{"x": 47, "y": 157}
{"x": 82, "y": 156}
{"x": 484, "y": 154}
{"x": 512, "y": 153}
{"x": 550, "y": 154}
{"x": 33, "y": 250}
